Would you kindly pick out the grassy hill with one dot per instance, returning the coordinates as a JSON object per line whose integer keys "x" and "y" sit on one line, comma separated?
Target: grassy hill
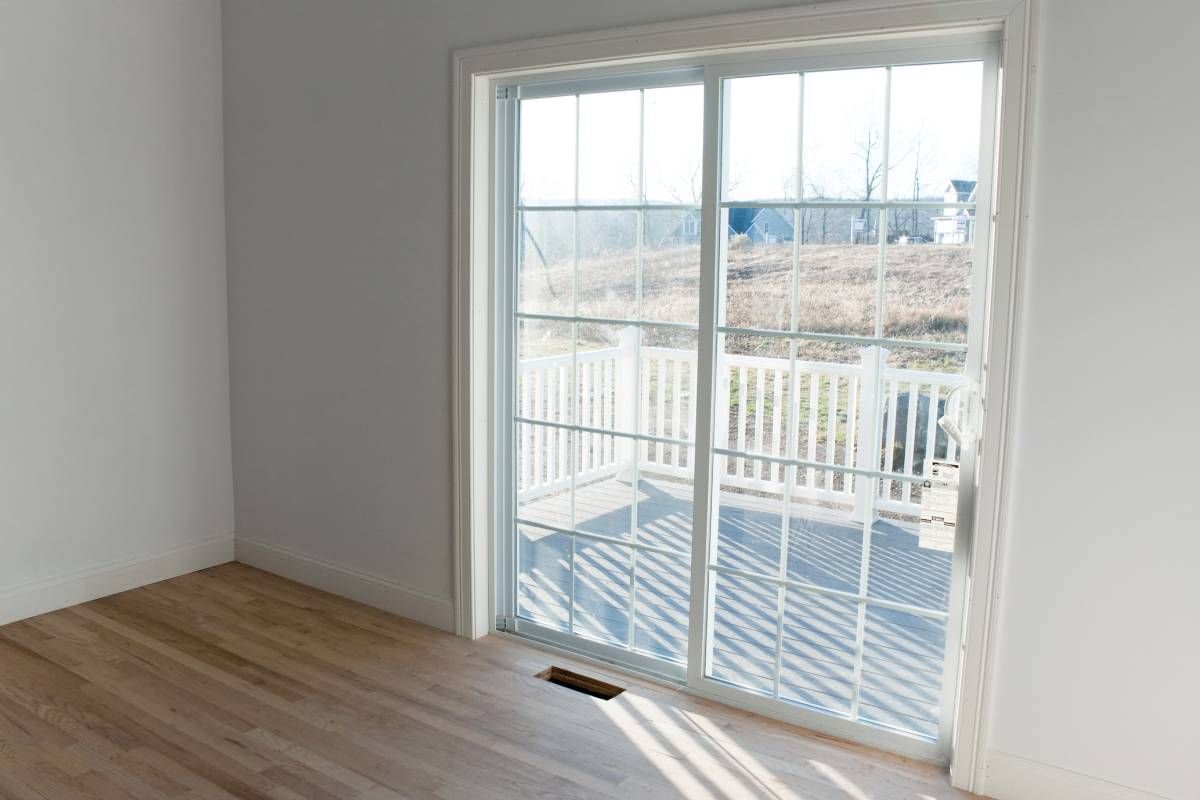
{"x": 926, "y": 297}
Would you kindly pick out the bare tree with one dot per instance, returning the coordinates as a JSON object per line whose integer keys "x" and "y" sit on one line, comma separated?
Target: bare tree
{"x": 870, "y": 150}
{"x": 820, "y": 216}
{"x": 541, "y": 259}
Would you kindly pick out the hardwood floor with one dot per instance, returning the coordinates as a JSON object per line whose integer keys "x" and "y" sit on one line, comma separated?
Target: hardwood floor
{"x": 232, "y": 682}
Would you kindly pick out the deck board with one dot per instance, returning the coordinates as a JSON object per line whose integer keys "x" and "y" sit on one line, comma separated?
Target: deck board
{"x": 902, "y": 652}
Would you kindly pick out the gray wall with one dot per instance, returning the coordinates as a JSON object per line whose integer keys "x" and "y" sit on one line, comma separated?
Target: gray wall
{"x": 114, "y": 405}
{"x": 1099, "y": 651}
{"x": 337, "y": 127}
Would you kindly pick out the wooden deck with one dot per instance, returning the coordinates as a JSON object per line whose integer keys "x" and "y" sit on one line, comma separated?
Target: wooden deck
{"x": 232, "y": 683}
{"x": 902, "y": 652}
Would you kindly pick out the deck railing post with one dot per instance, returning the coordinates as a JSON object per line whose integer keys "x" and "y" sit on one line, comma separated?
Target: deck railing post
{"x": 869, "y": 427}
{"x": 625, "y": 389}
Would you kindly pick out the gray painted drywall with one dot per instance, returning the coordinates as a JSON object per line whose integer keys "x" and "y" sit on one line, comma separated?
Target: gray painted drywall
{"x": 114, "y": 404}
{"x": 1098, "y": 650}
{"x": 338, "y": 148}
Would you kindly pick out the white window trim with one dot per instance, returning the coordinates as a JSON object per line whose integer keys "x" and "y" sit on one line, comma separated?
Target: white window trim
{"x": 476, "y": 74}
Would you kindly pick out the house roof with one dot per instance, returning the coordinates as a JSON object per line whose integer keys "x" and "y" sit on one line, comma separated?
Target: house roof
{"x": 962, "y": 186}
{"x": 741, "y": 220}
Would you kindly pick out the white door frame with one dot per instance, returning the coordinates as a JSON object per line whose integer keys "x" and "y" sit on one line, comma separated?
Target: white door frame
{"x": 851, "y": 24}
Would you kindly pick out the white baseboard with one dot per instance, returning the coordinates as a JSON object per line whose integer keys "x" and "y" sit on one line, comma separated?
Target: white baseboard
{"x": 50, "y": 594}
{"x": 1010, "y": 777}
{"x": 369, "y": 589}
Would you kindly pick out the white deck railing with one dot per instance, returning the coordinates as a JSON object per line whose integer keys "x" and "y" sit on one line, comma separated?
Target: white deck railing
{"x": 829, "y": 414}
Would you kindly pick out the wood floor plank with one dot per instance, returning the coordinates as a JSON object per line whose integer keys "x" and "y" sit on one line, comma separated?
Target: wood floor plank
{"x": 234, "y": 683}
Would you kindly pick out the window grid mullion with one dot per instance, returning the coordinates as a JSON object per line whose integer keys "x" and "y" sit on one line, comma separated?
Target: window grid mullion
{"x": 637, "y": 367}
{"x": 575, "y": 442}
{"x": 813, "y": 588}
{"x": 794, "y": 410}
{"x": 872, "y": 484}
{"x": 804, "y": 463}
{"x": 856, "y": 205}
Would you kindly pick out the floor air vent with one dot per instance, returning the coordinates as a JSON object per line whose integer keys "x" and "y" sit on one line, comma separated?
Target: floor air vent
{"x": 580, "y": 683}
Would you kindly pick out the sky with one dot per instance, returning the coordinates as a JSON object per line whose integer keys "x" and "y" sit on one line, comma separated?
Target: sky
{"x": 933, "y": 137}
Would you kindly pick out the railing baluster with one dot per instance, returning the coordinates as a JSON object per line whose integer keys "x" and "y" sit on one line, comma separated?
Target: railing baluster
{"x": 831, "y": 431}
{"x": 741, "y": 421}
{"x": 910, "y": 437}
{"x": 851, "y": 431}
{"x": 562, "y": 377}
{"x": 585, "y": 402}
{"x": 778, "y": 470}
{"x": 690, "y": 427}
{"x": 644, "y": 454}
{"x": 660, "y": 401}
{"x": 890, "y": 438}
{"x": 676, "y": 405}
{"x": 931, "y": 427}
{"x": 539, "y": 432}
{"x": 553, "y": 435}
{"x": 610, "y": 369}
{"x": 814, "y": 402}
{"x": 523, "y": 445}
{"x": 759, "y": 411}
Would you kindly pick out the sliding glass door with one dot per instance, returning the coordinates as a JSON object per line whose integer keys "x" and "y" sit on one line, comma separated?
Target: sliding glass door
{"x": 798, "y": 334}
{"x": 607, "y": 229}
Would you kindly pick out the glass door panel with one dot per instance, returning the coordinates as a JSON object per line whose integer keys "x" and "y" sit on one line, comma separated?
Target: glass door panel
{"x": 607, "y": 308}
{"x": 841, "y": 339}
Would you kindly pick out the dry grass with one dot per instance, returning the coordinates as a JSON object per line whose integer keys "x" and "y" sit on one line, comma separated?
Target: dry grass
{"x": 927, "y": 295}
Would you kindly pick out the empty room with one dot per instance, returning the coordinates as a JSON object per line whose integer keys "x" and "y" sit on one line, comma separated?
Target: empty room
{"x": 614, "y": 399}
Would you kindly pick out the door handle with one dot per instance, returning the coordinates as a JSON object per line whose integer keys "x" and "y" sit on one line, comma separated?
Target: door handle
{"x": 964, "y": 427}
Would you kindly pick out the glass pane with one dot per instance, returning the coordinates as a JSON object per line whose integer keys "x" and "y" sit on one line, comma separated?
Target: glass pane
{"x": 602, "y": 584}
{"x": 671, "y": 266}
{"x": 913, "y": 402}
{"x": 838, "y": 270}
{"x": 609, "y": 134}
{"x": 927, "y": 287}
{"x": 755, "y": 375}
{"x": 546, "y": 262}
{"x": 608, "y": 264}
{"x": 543, "y": 576}
{"x": 544, "y": 469}
{"x": 948, "y": 366}
{"x": 668, "y": 389}
{"x": 758, "y": 268}
{"x": 745, "y": 624}
{"x": 663, "y": 589}
{"x": 654, "y": 397}
{"x": 749, "y": 517}
{"x": 605, "y": 376}
{"x": 544, "y": 370}
{"x": 817, "y": 658}
{"x": 547, "y": 151}
{"x": 674, "y": 144}
{"x": 902, "y": 671}
{"x": 912, "y": 541}
{"x": 843, "y": 134}
{"x": 830, "y": 377}
{"x": 934, "y": 141}
{"x": 825, "y": 541}
{"x": 762, "y": 139}
{"x": 664, "y": 512}
{"x": 908, "y": 226}
{"x": 603, "y": 485}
